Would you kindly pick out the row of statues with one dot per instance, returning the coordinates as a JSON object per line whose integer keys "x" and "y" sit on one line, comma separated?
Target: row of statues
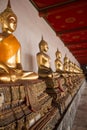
{"x": 10, "y": 57}
{"x": 44, "y": 66}
{"x": 38, "y": 100}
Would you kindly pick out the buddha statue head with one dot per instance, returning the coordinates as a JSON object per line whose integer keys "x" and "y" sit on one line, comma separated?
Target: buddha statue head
{"x": 66, "y": 60}
{"x": 43, "y": 46}
{"x": 58, "y": 54}
{"x": 8, "y": 19}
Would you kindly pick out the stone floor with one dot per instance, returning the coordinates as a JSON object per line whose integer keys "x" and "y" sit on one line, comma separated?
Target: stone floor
{"x": 80, "y": 121}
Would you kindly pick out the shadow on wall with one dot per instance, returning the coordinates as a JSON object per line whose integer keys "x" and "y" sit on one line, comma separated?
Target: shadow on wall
{"x": 28, "y": 62}
{"x": 84, "y": 67}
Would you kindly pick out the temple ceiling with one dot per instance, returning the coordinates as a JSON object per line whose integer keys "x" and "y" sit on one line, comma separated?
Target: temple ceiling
{"x": 68, "y": 18}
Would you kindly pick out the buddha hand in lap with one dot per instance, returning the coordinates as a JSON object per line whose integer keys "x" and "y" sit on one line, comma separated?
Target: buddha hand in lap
{"x": 10, "y": 48}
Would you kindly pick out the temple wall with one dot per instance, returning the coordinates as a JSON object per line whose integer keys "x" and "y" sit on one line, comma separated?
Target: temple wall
{"x": 29, "y": 32}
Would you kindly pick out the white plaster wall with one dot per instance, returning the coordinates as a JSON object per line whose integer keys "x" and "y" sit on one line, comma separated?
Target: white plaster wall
{"x": 29, "y": 32}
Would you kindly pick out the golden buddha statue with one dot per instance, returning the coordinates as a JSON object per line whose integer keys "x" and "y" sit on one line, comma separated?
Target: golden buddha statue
{"x": 10, "y": 48}
{"x": 43, "y": 61}
{"x": 66, "y": 64}
{"x": 70, "y": 66}
{"x": 58, "y": 63}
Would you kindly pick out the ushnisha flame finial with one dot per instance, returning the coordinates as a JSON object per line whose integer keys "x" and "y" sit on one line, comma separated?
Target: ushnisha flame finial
{"x": 9, "y": 4}
{"x": 42, "y": 37}
{"x": 7, "y": 12}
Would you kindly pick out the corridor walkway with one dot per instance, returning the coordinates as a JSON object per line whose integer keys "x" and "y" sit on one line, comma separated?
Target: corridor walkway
{"x": 80, "y": 122}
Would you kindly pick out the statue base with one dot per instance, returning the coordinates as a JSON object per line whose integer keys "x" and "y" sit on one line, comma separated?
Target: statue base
{"x": 23, "y": 104}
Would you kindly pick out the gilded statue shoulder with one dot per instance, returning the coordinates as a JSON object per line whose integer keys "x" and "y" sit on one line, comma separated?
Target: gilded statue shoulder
{"x": 3, "y": 36}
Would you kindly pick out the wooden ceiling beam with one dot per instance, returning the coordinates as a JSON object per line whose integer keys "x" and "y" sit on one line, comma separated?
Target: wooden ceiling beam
{"x": 81, "y": 50}
{"x": 82, "y": 62}
{"x": 76, "y": 43}
{"x": 53, "y": 6}
{"x": 78, "y": 49}
{"x": 80, "y": 55}
{"x": 59, "y": 33}
{"x": 81, "y": 59}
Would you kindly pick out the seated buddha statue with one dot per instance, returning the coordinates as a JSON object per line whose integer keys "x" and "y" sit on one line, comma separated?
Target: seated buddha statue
{"x": 66, "y": 64}
{"x": 67, "y": 73}
{"x": 70, "y": 66}
{"x": 58, "y": 63}
{"x": 59, "y": 70}
{"x": 43, "y": 61}
{"x": 10, "y": 49}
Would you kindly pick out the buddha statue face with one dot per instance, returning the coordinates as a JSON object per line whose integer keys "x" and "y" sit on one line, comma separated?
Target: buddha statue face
{"x": 45, "y": 48}
{"x": 9, "y": 24}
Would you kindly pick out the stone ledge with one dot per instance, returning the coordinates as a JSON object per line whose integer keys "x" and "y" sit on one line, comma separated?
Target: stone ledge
{"x": 68, "y": 117}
